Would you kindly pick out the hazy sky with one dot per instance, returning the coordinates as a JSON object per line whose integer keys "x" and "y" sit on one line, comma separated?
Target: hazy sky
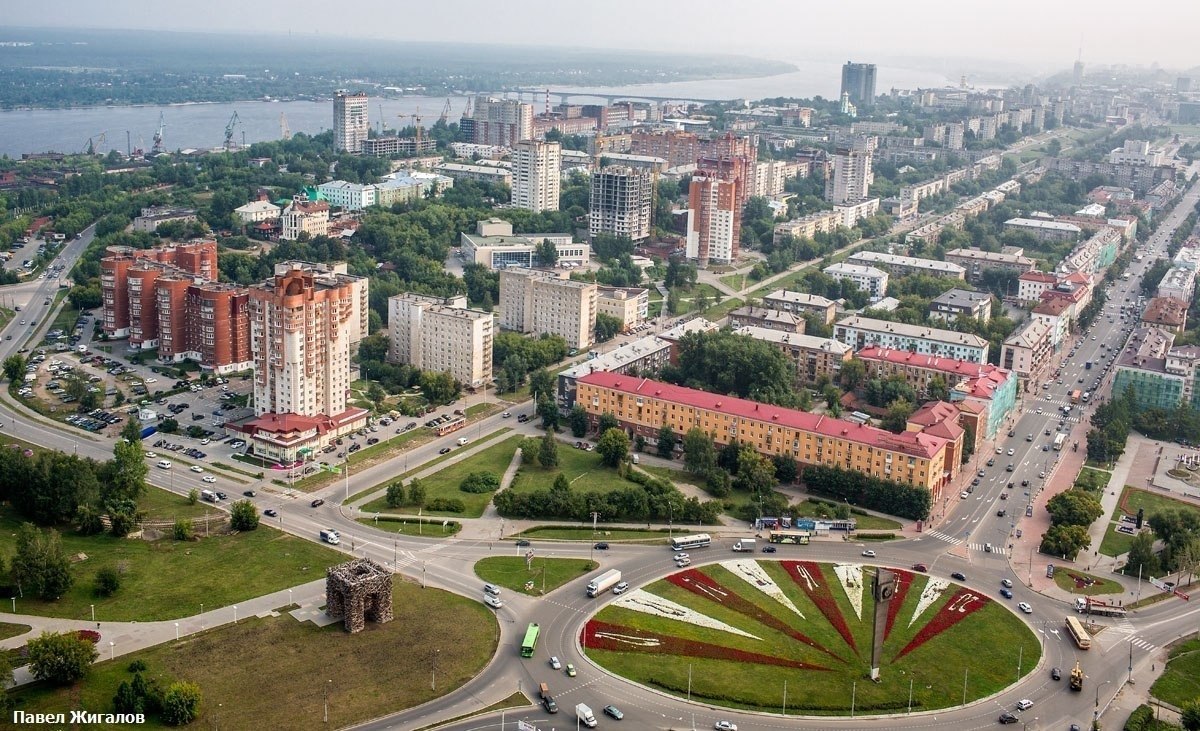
{"x": 1042, "y": 33}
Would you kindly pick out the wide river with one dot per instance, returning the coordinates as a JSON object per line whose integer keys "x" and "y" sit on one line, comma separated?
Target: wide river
{"x": 203, "y": 125}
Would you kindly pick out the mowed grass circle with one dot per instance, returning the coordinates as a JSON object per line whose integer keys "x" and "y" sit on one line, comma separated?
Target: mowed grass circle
{"x": 741, "y": 628}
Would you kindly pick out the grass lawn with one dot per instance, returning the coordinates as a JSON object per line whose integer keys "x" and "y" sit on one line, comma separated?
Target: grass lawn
{"x": 1180, "y": 681}
{"x": 560, "y": 533}
{"x": 582, "y": 469}
{"x": 8, "y": 629}
{"x": 166, "y": 579}
{"x": 159, "y": 504}
{"x": 1079, "y": 582}
{"x": 1093, "y": 479}
{"x": 736, "y": 281}
{"x": 1132, "y": 498}
{"x": 363, "y": 458}
{"x": 674, "y": 475}
{"x": 716, "y": 312}
{"x": 363, "y": 493}
{"x": 516, "y": 700}
{"x": 985, "y": 646}
{"x": 1114, "y": 543}
{"x": 510, "y": 572}
{"x": 445, "y": 483}
{"x": 383, "y": 669}
{"x": 413, "y": 526}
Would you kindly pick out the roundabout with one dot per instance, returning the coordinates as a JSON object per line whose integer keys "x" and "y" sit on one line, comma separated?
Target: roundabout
{"x": 795, "y": 637}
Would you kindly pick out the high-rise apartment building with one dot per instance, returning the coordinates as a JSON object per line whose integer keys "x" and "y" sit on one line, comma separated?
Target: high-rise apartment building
{"x": 503, "y": 122}
{"x": 621, "y": 202}
{"x": 858, "y": 81}
{"x": 442, "y": 335}
{"x": 303, "y": 324}
{"x": 197, "y": 258}
{"x": 349, "y": 121}
{"x": 542, "y": 302}
{"x": 715, "y": 220}
{"x": 850, "y": 178}
{"x": 675, "y": 146}
{"x": 537, "y": 175}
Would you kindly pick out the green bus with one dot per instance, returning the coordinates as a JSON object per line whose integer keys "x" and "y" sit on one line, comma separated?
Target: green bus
{"x": 529, "y": 644}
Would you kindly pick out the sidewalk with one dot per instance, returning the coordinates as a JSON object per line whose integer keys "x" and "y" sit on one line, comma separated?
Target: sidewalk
{"x": 123, "y": 638}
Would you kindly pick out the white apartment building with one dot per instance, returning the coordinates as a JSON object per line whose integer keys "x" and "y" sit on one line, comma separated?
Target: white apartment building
{"x": 482, "y": 173}
{"x": 630, "y": 305}
{"x": 900, "y": 266}
{"x": 1137, "y": 152}
{"x": 537, "y": 175}
{"x": 850, "y": 177}
{"x": 257, "y": 211}
{"x": 348, "y": 196}
{"x": 442, "y": 335}
{"x": 620, "y": 203}
{"x": 540, "y": 302}
{"x": 350, "y": 121}
{"x": 862, "y": 332}
{"x": 868, "y": 279}
{"x": 304, "y": 216}
{"x": 1029, "y": 349}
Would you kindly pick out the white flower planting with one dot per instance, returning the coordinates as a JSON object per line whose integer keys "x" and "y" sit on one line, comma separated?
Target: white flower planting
{"x": 753, "y": 574}
{"x": 933, "y": 591}
{"x": 647, "y": 603}
{"x": 851, "y": 576}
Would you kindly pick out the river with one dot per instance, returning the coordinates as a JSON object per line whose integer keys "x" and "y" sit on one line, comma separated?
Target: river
{"x": 203, "y": 125}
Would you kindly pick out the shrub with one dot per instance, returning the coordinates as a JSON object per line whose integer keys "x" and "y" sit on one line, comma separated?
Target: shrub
{"x": 243, "y": 515}
{"x": 90, "y": 635}
{"x": 180, "y": 703}
{"x": 446, "y": 505}
{"x": 183, "y": 530}
{"x": 107, "y": 582}
{"x": 1140, "y": 718}
{"x": 60, "y": 658}
{"x": 137, "y": 666}
{"x": 480, "y": 482}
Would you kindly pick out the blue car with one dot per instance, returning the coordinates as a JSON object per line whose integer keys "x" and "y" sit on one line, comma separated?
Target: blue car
{"x": 1006, "y": 593}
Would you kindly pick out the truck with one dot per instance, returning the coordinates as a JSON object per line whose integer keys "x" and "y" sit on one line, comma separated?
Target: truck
{"x": 330, "y": 536}
{"x": 1077, "y": 677}
{"x": 603, "y": 582}
{"x": 584, "y": 714}
{"x": 1089, "y": 605}
{"x": 744, "y": 545}
{"x": 209, "y": 496}
{"x": 148, "y": 430}
{"x": 1075, "y": 396}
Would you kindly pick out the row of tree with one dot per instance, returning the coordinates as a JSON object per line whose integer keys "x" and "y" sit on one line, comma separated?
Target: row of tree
{"x": 886, "y": 496}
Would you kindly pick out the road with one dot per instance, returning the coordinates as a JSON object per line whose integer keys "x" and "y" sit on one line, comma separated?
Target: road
{"x": 957, "y": 543}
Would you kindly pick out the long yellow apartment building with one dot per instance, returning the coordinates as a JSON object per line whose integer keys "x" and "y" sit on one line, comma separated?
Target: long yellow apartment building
{"x": 643, "y": 406}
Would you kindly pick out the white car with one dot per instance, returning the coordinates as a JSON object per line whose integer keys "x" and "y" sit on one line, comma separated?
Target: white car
{"x": 197, "y": 468}
{"x": 209, "y": 478}
{"x": 964, "y": 494}
{"x": 869, "y": 553}
{"x": 725, "y": 726}
{"x": 151, "y": 380}
{"x": 1011, "y": 451}
{"x": 151, "y": 455}
{"x": 554, "y": 663}
{"x": 683, "y": 562}
{"x": 1024, "y": 607}
{"x": 621, "y": 587}
{"x": 999, "y": 450}
{"x": 681, "y": 556}
{"x": 1024, "y": 704}
{"x": 206, "y": 440}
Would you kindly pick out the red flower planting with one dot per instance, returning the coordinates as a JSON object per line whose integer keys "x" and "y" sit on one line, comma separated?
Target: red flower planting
{"x": 808, "y": 577}
{"x": 904, "y": 581}
{"x": 704, "y": 586}
{"x": 960, "y": 606}
{"x": 90, "y": 635}
{"x": 604, "y": 636}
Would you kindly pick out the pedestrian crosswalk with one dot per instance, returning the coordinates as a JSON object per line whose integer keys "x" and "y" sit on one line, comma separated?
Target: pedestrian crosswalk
{"x": 943, "y": 537}
{"x": 995, "y": 549}
{"x": 1139, "y": 643}
{"x": 981, "y": 547}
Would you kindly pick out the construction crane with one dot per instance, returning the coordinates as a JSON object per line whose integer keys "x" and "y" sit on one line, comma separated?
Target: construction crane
{"x": 95, "y": 143}
{"x": 446, "y": 111}
{"x": 233, "y": 122}
{"x": 416, "y": 117}
{"x": 382, "y": 126}
{"x": 158, "y": 147}
{"x": 284, "y": 130}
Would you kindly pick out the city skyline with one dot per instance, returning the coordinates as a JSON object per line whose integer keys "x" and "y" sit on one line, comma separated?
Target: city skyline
{"x": 1026, "y": 34}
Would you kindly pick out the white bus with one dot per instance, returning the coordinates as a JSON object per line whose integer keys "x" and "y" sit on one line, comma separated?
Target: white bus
{"x": 684, "y": 543}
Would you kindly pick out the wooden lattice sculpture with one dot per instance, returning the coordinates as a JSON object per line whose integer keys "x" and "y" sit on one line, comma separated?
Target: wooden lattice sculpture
{"x": 358, "y": 590}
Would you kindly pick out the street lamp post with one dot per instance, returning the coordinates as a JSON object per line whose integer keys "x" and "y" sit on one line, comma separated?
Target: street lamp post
{"x": 1096, "y": 710}
{"x": 910, "y": 688}
{"x": 325, "y": 704}
{"x": 853, "y": 696}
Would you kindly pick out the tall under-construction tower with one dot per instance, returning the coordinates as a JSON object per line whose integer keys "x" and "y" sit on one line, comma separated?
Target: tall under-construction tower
{"x": 158, "y": 147}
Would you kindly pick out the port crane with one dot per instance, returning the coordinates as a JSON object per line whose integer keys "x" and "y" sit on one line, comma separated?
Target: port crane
{"x": 233, "y": 122}
{"x": 446, "y": 111}
{"x": 94, "y": 144}
{"x": 157, "y": 148}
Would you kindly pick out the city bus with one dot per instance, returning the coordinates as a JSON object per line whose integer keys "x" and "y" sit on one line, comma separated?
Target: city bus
{"x": 1059, "y": 441}
{"x": 529, "y": 644}
{"x": 1075, "y": 628}
{"x": 449, "y": 426}
{"x": 683, "y": 543}
{"x": 798, "y": 537}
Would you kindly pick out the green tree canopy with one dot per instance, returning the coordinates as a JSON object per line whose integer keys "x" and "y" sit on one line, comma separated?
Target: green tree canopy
{"x": 60, "y": 658}
{"x": 613, "y": 447}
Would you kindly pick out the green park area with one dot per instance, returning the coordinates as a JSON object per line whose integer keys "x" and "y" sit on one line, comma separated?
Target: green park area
{"x": 584, "y": 472}
{"x": 1083, "y": 583}
{"x": 1180, "y": 681}
{"x": 546, "y": 573}
{"x": 436, "y": 643}
{"x": 810, "y": 624}
{"x": 165, "y": 578}
{"x": 1132, "y": 499}
{"x": 585, "y": 533}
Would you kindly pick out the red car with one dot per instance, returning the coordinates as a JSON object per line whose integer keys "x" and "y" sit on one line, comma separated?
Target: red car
{"x": 920, "y": 567}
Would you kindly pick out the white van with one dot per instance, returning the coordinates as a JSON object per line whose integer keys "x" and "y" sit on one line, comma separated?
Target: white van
{"x": 491, "y": 589}
{"x": 164, "y": 464}
{"x": 462, "y": 441}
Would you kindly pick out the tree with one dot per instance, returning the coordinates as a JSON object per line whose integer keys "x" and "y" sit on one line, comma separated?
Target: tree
{"x": 578, "y": 419}
{"x": 529, "y": 451}
{"x": 937, "y": 389}
{"x": 183, "y": 529}
{"x": 613, "y": 447}
{"x": 1189, "y": 713}
{"x": 607, "y": 421}
{"x": 168, "y": 426}
{"x": 755, "y": 474}
{"x": 14, "y": 367}
{"x": 699, "y": 452}
{"x": 180, "y": 703}
{"x": 416, "y": 493}
{"x": 853, "y": 372}
{"x": 60, "y": 658}
{"x": 1074, "y": 507}
{"x": 548, "y": 451}
{"x": 125, "y": 478}
{"x": 546, "y": 252}
{"x": 548, "y": 410}
{"x": 243, "y": 515}
{"x": 193, "y": 496}
{"x": 440, "y": 388}
{"x": 607, "y": 327}
{"x": 541, "y": 383}
{"x": 40, "y": 566}
{"x": 896, "y": 418}
{"x": 666, "y": 442}
{"x": 108, "y": 581}
{"x": 785, "y": 469}
{"x": 395, "y": 494}
{"x": 1141, "y": 559}
{"x": 1065, "y": 540}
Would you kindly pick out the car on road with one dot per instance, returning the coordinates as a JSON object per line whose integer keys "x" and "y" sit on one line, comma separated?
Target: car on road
{"x": 980, "y": 473}
{"x": 999, "y": 450}
{"x": 725, "y": 726}
{"x": 1024, "y": 704}
{"x": 271, "y": 513}
{"x": 958, "y": 576}
{"x": 621, "y": 587}
{"x": 1009, "y": 468}
{"x": 1007, "y": 583}
{"x": 492, "y": 601}
{"x": 601, "y": 546}
{"x": 164, "y": 464}
{"x": 505, "y": 415}
{"x": 444, "y": 450}
{"x": 920, "y": 567}
{"x": 964, "y": 494}
{"x": 549, "y": 704}
{"x": 571, "y": 670}
{"x": 768, "y": 549}
{"x": 209, "y": 479}
{"x": 316, "y": 503}
{"x": 613, "y": 712}
{"x": 975, "y": 482}
{"x": 1024, "y": 607}
{"x": 1024, "y": 483}
{"x": 869, "y": 553}
{"x": 197, "y": 468}
{"x": 1007, "y": 717}
{"x": 1055, "y": 674}
{"x": 1001, "y": 513}
{"x": 554, "y": 663}
{"x": 1006, "y": 593}
{"x": 249, "y": 493}
{"x": 1011, "y": 451}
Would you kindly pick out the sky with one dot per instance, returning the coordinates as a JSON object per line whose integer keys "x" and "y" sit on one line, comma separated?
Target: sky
{"x": 1034, "y": 34}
